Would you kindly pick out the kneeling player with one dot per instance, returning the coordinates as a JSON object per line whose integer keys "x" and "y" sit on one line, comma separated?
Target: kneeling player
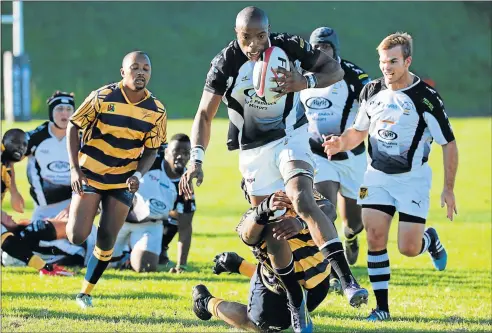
{"x": 14, "y": 146}
{"x": 157, "y": 203}
{"x": 268, "y": 308}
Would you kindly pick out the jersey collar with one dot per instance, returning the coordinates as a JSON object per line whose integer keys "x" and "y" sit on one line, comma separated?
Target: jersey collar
{"x": 147, "y": 94}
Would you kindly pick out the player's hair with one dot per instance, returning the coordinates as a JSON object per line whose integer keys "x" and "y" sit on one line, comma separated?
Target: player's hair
{"x": 12, "y": 132}
{"x": 180, "y": 137}
{"x": 399, "y": 38}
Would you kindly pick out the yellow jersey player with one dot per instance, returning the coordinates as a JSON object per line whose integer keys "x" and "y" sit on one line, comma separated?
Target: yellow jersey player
{"x": 123, "y": 125}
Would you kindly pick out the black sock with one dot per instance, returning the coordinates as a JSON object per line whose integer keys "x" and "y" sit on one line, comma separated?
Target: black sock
{"x": 333, "y": 251}
{"x": 16, "y": 247}
{"x": 351, "y": 233}
{"x": 39, "y": 231}
{"x": 293, "y": 288}
{"x": 379, "y": 275}
{"x": 170, "y": 231}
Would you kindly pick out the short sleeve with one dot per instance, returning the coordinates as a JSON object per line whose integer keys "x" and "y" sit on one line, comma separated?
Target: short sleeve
{"x": 298, "y": 48}
{"x": 437, "y": 120}
{"x": 217, "y": 76}
{"x": 362, "y": 121}
{"x": 158, "y": 134}
{"x": 87, "y": 112}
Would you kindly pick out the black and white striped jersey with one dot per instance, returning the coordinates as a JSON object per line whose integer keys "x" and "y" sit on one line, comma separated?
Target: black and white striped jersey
{"x": 402, "y": 124}
{"x": 332, "y": 109}
{"x": 253, "y": 122}
{"x": 48, "y": 167}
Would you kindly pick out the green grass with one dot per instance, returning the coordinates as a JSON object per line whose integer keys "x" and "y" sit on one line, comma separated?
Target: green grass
{"x": 421, "y": 299}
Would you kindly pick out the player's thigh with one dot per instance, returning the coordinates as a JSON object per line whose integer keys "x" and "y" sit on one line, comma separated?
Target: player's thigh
{"x": 113, "y": 215}
{"x": 410, "y": 233}
{"x": 329, "y": 189}
{"x": 266, "y": 309}
{"x": 378, "y": 209}
{"x": 83, "y": 210}
{"x": 147, "y": 237}
{"x": 294, "y": 156}
{"x": 351, "y": 173}
{"x": 259, "y": 170}
{"x": 413, "y": 195}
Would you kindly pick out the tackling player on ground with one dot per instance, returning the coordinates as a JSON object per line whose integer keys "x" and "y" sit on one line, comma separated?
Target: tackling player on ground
{"x": 273, "y": 139}
{"x": 123, "y": 125}
{"x": 402, "y": 116}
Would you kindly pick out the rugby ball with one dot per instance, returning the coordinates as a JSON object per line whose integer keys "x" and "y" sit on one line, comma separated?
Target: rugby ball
{"x": 265, "y": 69}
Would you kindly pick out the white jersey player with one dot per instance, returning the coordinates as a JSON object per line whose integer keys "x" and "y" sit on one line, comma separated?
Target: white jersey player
{"x": 403, "y": 116}
{"x": 156, "y": 206}
{"x": 330, "y": 111}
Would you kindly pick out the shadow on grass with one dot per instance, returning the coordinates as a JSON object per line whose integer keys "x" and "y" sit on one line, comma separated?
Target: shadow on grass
{"x": 125, "y": 295}
{"x": 29, "y": 314}
{"x": 455, "y": 320}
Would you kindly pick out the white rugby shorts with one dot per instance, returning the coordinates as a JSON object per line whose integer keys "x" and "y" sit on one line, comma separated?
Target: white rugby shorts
{"x": 146, "y": 236}
{"x": 349, "y": 173}
{"x": 264, "y": 168}
{"x": 407, "y": 192}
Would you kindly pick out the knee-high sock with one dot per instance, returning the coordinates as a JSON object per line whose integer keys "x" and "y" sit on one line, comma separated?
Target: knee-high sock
{"x": 98, "y": 263}
{"x": 379, "y": 274}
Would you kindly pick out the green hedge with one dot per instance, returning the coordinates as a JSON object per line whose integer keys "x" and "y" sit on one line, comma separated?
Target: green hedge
{"x": 78, "y": 46}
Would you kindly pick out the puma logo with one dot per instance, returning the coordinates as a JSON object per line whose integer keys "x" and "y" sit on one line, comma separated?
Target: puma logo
{"x": 417, "y": 203}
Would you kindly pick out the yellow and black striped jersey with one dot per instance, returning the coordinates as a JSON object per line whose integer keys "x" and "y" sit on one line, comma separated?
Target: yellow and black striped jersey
{"x": 311, "y": 268}
{"x": 6, "y": 179}
{"x": 115, "y": 131}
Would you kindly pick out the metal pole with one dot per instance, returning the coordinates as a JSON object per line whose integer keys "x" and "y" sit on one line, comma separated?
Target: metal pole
{"x": 17, "y": 29}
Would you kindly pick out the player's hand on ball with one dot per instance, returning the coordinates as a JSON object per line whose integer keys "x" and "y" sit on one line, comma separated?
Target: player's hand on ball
{"x": 332, "y": 144}
{"x": 288, "y": 81}
{"x": 133, "y": 184}
{"x": 286, "y": 228}
{"x": 186, "y": 182}
{"x": 447, "y": 197}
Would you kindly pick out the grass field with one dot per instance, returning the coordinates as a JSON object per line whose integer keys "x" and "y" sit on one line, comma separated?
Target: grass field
{"x": 421, "y": 299}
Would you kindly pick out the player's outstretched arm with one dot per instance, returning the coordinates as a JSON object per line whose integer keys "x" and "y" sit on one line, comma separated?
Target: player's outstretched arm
{"x": 200, "y": 137}
{"x": 350, "y": 139}
{"x": 450, "y": 159}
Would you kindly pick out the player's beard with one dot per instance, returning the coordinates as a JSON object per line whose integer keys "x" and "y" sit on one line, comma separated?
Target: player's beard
{"x": 9, "y": 156}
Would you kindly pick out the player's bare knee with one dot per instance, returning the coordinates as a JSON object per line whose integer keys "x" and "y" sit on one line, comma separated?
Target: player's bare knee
{"x": 409, "y": 249}
{"x": 76, "y": 237}
{"x": 303, "y": 203}
{"x": 376, "y": 238}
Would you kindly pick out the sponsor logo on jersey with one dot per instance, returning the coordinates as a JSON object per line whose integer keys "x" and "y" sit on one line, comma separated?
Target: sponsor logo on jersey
{"x": 111, "y": 107}
{"x": 387, "y": 134}
{"x": 429, "y": 104}
{"x": 163, "y": 185}
{"x": 407, "y": 107}
{"x": 59, "y": 166}
{"x": 392, "y": 106}
{"x": 362, "y": 76}
{"x": 318, "y": 103}
{"x": 44, "y": 151}
{"x": 157, "y": 205}
{"x": 362, "y": 192}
